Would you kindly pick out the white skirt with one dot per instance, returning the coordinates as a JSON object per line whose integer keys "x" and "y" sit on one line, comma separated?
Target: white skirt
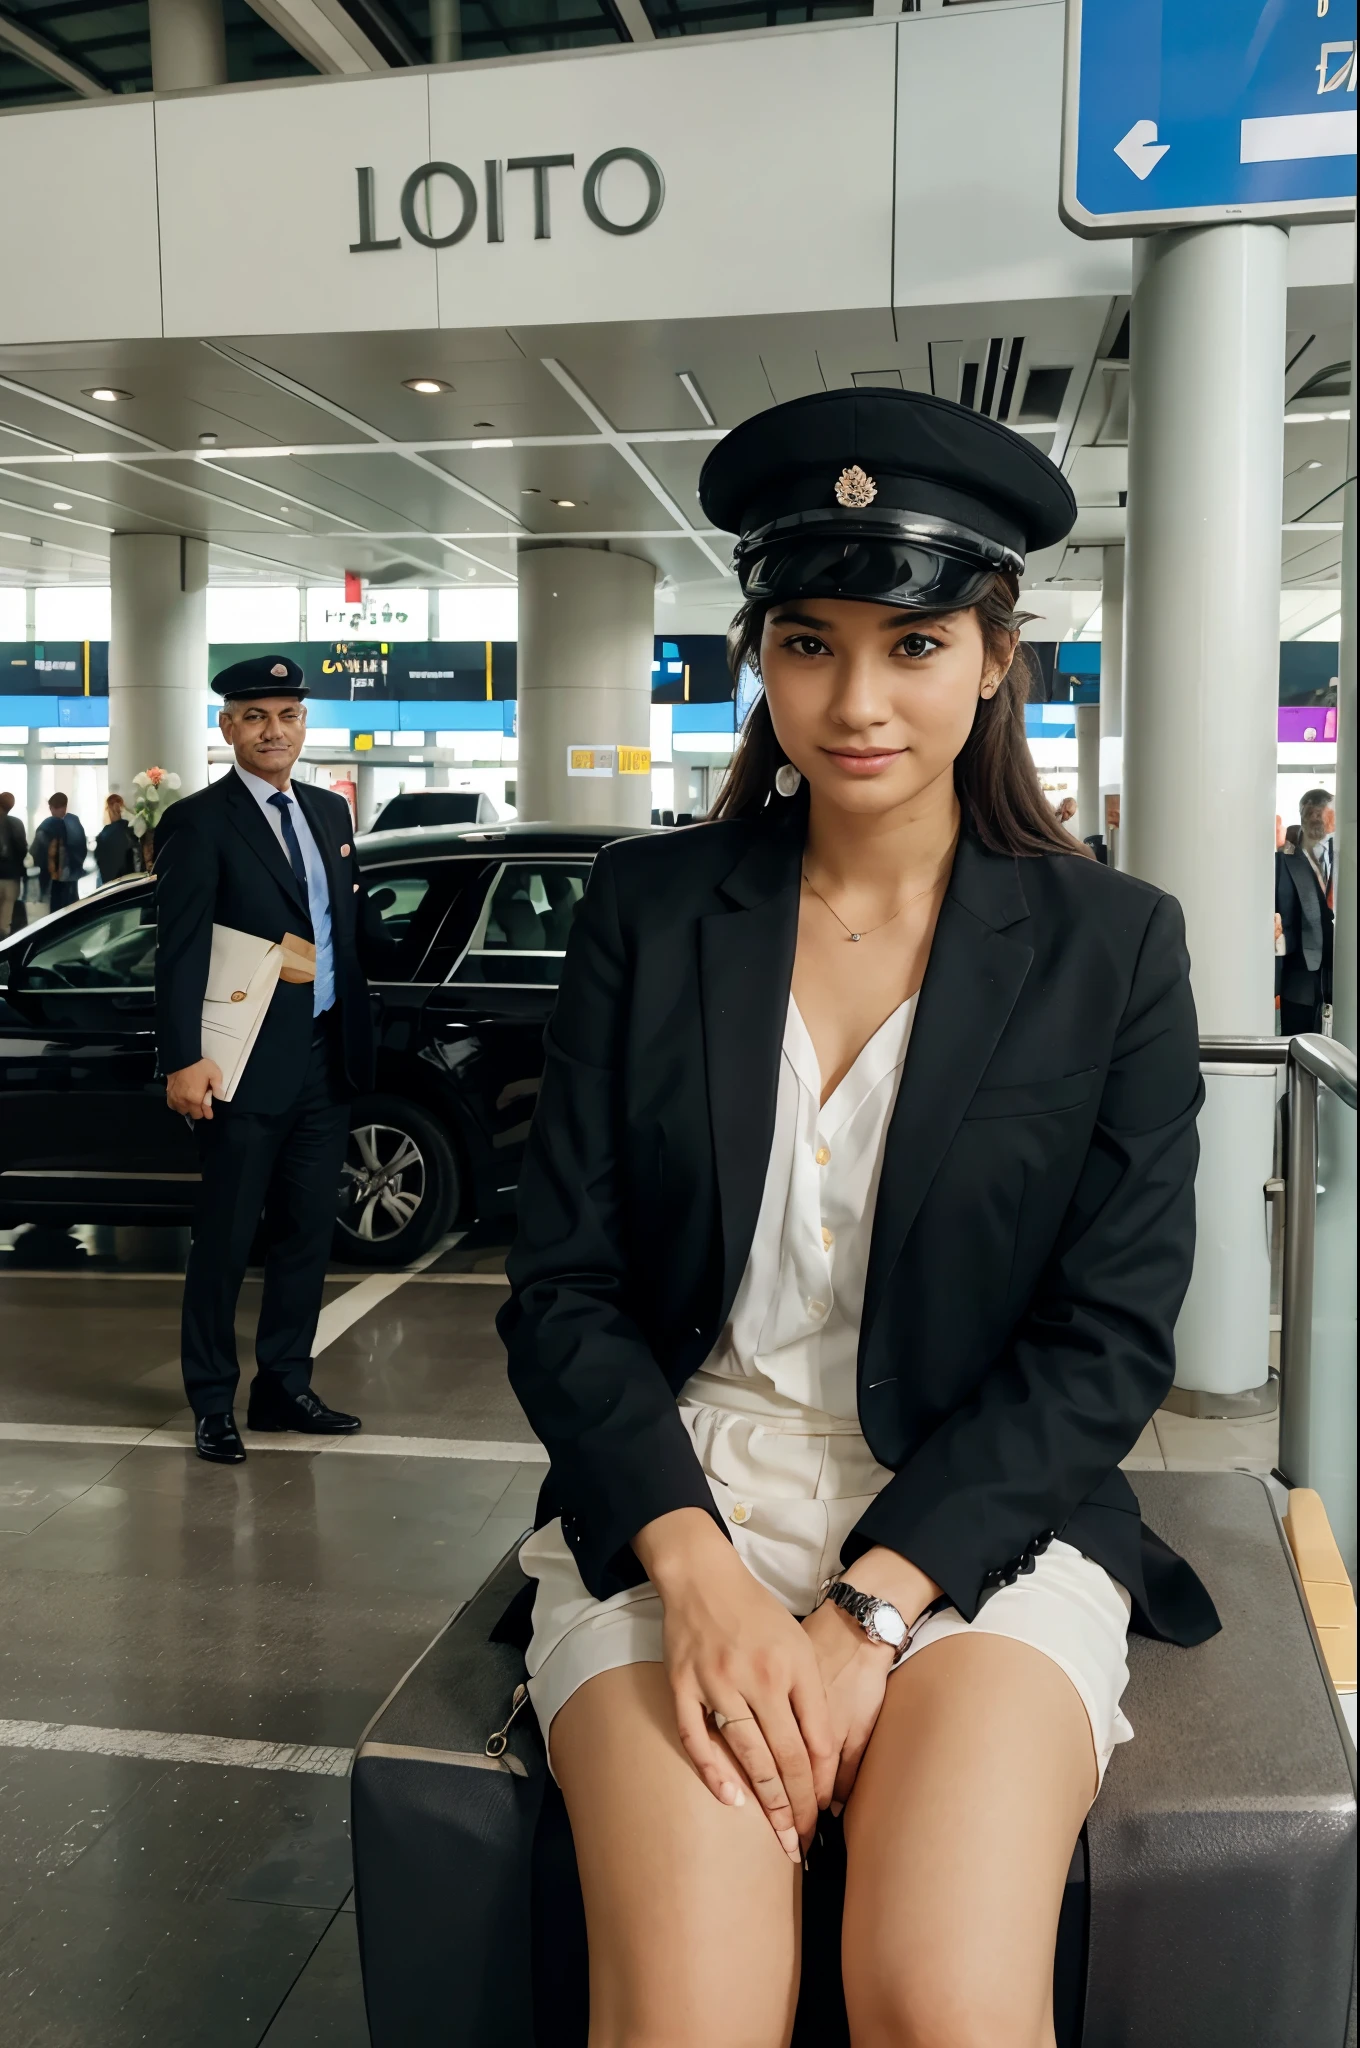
{"x": 791, "y": 1483}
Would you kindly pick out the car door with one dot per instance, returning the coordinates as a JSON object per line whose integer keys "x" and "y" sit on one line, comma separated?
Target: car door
{"x": 85, "y": 1125}
{"x": 502, "y": 962}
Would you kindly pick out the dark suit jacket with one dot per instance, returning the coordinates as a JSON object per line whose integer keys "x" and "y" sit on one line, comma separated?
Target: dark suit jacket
{"x": 1032, "y": 1239}
{"x": 217, "y": 862}
{"x": 1307, "y": 921}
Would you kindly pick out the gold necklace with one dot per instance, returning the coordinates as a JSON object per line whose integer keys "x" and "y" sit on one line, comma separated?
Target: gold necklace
{"x": 869, "y": 930}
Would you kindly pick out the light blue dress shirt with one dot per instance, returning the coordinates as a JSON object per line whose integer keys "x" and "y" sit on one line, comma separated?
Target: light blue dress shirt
{"x": 318, "y": 884}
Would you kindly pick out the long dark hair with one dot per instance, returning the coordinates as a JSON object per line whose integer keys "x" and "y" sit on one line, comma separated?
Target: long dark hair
{"x": 994, "y": 775}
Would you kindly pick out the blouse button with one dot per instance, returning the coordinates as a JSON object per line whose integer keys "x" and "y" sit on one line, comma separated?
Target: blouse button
{"x": 822, "y": 1156}
{"x": 816, "y": 1308}
{"x": 828, "y": 1239}
{"x": 741, "y": 1513}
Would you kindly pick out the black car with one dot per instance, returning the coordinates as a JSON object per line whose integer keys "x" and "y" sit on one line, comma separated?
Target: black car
{"x": 465, "y": 929}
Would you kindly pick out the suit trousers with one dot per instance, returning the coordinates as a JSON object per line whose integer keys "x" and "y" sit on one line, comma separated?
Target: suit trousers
{"x": 1296, "y": 1017}
{"x": 286, "y": 1168}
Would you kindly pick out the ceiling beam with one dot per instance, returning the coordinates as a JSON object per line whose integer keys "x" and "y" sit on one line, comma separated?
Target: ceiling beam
{"x": 325, "y": 33}
{"x": 48, "y": 58}
{"x": 632, "y": 19}
{"x": 620, "y": 444}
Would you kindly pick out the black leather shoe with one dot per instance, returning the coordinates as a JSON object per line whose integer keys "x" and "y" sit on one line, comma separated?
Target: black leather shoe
{"x": 305, "y": 1413}
{"x": 217, "y": 1439}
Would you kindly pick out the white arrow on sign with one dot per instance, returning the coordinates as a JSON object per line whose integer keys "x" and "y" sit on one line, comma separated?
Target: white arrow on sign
{"x": 1140, "y": 149}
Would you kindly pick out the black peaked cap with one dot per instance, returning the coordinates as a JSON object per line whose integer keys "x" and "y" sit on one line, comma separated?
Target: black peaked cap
{"x": 262, "y": 675}
{"x": 924, "y": 456}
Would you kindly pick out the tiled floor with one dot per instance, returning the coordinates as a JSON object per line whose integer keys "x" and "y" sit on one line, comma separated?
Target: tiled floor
{"x": 195, "y": 1905}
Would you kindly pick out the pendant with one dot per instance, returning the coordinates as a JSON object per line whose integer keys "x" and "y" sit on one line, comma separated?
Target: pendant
{"x": 855, "y": 938}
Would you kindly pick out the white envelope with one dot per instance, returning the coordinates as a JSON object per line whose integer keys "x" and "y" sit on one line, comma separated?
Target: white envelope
{"x": 242, "y": 976}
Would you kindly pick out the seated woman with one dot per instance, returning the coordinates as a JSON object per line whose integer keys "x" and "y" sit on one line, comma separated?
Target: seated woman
{"x": 856, "y": 1219}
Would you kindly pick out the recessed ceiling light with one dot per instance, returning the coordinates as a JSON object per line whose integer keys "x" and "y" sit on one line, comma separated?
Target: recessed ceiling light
{"x": 107, "y": 394}
{"x": 567, "y": 504}
{"x": 483, "y": 427}
{"x": 428, "y": 387}
{"x": 531, "y": 491}
{"x": 207, "y": 440}
{"x": 1312, "y": 465}
{"x": 61, "y": 505}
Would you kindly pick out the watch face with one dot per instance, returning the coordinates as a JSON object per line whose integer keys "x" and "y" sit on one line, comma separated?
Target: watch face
{"x": 889, "y": 1626}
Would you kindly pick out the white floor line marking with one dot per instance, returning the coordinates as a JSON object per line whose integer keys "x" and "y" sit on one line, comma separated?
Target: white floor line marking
{"x": 174, "y": 1436}
{"x": 460, "y": 1280}
{"x": 311, "y": 1759}
{"x": 341, "y": 1314}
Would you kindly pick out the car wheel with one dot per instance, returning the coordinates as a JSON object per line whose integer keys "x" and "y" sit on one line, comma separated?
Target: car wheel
{"x": 398, "y": 1187}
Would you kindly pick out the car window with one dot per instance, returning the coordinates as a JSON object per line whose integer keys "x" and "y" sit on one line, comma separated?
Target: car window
{"x": 116, "y": 949}
{"x": 399, "y": 911}
{"x": 525, "y": 921}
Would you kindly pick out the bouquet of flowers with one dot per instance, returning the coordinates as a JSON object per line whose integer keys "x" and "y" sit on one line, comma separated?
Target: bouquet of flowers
{"x": 155, "y": 789}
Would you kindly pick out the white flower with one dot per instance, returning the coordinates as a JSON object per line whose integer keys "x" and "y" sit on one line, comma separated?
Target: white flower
{"x": 141, "y": 780}
{"x": 172, "y": 781}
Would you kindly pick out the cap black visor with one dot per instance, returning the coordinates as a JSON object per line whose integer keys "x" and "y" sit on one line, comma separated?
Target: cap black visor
{"x": 871, "y": 571}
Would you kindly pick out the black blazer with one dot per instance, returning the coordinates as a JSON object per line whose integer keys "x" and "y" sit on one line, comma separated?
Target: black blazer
{"x": 1032, "y": 1239}
{"x": 1306, "y": 918}
{"x": 217, "y": 862}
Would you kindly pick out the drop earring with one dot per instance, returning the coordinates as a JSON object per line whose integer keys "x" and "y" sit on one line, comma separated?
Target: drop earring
{"x": 787, "y": 780}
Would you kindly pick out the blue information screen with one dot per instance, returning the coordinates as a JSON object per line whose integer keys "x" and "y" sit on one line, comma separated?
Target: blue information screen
{"x": 1209, "y": 109}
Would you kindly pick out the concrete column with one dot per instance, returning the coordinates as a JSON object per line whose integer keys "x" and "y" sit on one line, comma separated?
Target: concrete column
{"x": 446, "y": 31}
{"x": 436, "y": 772}
{"x": 37, "y": 790}
{"x": 1089, "y": 820}
{"x": 188, "y": 44}
{"x": 1111, "y": 690}
{"x": 158, "y": 658}
{"x": 363, "y": 795}
{"x": 585, "y": 679}
{"x": 1201, "y": 683}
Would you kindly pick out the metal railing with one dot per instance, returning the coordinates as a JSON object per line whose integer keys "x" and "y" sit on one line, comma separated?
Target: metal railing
{"x": 1311, "y": 1063}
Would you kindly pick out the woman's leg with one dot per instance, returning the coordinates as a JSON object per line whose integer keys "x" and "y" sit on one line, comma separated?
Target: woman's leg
{"x": 691, "y": 1907}
{"x": 959, "y": 1834}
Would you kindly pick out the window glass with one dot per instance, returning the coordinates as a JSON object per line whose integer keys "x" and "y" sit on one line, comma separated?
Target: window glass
{"x": 399, "y": 911}
{"x": 525, "y": 922}
{"x": 114, "y": 950}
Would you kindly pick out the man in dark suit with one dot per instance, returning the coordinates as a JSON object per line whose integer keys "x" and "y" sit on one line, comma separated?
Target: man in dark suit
{"x": 1303, "y": 968}
{"x": 261, "y": 854}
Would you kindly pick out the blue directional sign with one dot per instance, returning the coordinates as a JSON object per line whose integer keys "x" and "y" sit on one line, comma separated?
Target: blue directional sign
{"x": 1181, "y": 111}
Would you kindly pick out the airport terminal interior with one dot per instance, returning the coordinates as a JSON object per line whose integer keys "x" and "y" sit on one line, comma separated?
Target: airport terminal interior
{"x": 382, "y": 343}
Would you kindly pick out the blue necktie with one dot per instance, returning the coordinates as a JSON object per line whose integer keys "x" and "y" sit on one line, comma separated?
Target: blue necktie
{"x": 284, "y": 806}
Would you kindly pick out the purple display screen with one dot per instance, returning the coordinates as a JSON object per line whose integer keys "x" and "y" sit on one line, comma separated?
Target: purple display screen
{"x": 1304, "y": 722}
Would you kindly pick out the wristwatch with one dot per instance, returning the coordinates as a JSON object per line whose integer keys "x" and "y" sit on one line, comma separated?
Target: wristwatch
{"x": 879, "y": 1619}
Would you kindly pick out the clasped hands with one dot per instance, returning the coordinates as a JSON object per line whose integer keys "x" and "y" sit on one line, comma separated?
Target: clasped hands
{"x": 798, "y": 1702}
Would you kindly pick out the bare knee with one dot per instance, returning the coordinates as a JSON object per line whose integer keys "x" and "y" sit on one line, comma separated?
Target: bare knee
{"x": 896, "y": 2012}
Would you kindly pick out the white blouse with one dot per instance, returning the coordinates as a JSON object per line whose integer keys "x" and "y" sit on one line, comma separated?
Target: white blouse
{"x": 795, "y": 1321}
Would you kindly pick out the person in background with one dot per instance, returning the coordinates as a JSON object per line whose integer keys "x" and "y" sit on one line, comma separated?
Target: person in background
{"x": 13, "y": 851}
{"x": 59, "y": 849}
{"x": 1066, "y": 812}
{"x": 116, "y": 851}
{"x": 1303, "y": 942}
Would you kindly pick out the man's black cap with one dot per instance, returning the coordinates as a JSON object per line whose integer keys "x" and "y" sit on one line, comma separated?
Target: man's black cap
{"x": 263, "y": 675}
{"x": 895, "y": 497}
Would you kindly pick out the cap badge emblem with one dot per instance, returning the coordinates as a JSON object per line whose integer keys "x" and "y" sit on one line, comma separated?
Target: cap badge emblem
{"x": 854, "y": 489}
{"x": 280, "y": 668}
